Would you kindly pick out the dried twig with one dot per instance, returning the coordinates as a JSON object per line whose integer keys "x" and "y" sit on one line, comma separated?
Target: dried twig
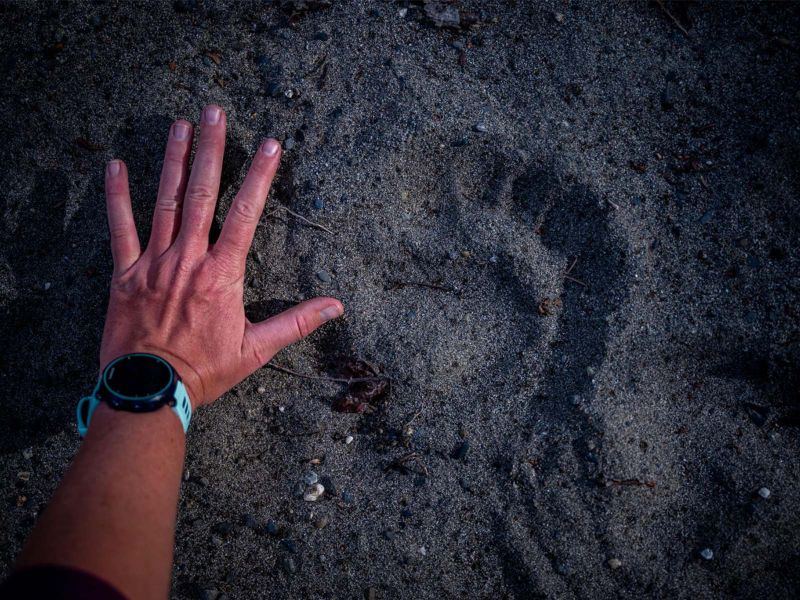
{"x": 315, "y": 67}
{"x": 632, "y": 482}
{"x": 575, "y": 280}
{"x": 394, "y": 285}
{"x": 672, "y": 17}
{"x": 570, "y": 277}
{"x": 571, "y": 266}
{"x": 347, "y": 380}
{"x": 274, "y": 212}
{"x": 400, "y": 463}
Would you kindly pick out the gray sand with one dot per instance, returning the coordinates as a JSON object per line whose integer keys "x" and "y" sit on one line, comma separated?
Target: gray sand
{"x": 626, "y": 409}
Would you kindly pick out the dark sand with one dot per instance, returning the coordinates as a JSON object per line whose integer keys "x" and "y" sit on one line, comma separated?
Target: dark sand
{"x": 635, "y": 419}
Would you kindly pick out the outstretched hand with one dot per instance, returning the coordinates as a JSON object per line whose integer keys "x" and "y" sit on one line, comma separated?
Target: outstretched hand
{"x": 182, "y": 298}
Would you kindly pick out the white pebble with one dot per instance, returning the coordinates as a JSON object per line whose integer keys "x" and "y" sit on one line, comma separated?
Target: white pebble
{"x": 348, "y": 439}
{"x": 707, "y": 553}
{"x": 423, "y": 550}
{"x": 47, "y": 286}
{"x": 314, "y": 492}
{"x": 402, "y": 12}
{"x": 282, "y": 408}
{"x": 27, "y": 454}
{"x": 261, "y": 389}
{"x": 614, "y": 563}
{"x": 764, "y": 493}
{"x": 311, "y": 478}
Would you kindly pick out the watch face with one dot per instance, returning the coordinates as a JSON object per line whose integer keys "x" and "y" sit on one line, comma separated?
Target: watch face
{"x": 138, "y": 376}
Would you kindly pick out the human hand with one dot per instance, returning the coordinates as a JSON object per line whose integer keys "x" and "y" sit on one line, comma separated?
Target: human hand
{"x": 182, "y": 298}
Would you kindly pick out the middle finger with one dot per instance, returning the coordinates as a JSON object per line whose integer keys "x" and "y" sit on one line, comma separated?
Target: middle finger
{"x": 203, "y": 186}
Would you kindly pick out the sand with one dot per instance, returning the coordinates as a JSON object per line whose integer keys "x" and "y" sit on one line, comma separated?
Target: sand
{"x": 567, "y": 232}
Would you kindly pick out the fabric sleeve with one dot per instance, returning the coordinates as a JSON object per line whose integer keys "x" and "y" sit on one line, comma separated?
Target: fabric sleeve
{"x": 58, "y": 583}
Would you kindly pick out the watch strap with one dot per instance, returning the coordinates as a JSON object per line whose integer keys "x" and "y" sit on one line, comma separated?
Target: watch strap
{"x": 88, "y": 404}
{"x": 183, "y": 406}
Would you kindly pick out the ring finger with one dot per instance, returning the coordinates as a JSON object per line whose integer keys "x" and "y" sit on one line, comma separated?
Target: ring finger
{"x": 171, "y": 188}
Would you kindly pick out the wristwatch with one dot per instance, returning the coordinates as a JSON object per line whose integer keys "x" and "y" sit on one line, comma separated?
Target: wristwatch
{"x": 137, "y": 383}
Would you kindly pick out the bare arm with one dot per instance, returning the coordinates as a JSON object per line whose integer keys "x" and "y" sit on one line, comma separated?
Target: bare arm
{"x": 180, "y": 298}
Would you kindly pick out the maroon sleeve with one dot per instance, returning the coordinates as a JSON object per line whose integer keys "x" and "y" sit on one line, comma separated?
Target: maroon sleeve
{"x": 58, "y": 583}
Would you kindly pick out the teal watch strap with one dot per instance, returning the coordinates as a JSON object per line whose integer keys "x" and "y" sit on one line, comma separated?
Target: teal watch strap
{"x": 88, "y": 404}
{"x": 183, "y": 406}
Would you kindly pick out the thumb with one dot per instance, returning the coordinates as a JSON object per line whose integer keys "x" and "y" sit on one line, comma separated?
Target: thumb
{"x": 266, "y": 338}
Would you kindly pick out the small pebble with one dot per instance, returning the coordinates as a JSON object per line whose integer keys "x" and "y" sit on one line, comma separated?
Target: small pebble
{"x": 481, "y": 128}
{"x": 271, "y": 528}
{"x": 323, "y": 276}
{"x": 310, "y": 478}
{"x": 402, "y": 12}
{"x": 347, "y": 498}
{"x": 707, "y": 217}
{"x": 329, "y": 485}
{"x": 460, "y": 451}
{"x": 47, "y": 286}
{"x": 348, "y": 439}
{"x": 559, "y": 17}
{"x": 225, "y": 528}
{"x": 273, "y": 89}
{"x": 249, "y": 521}
{"x": 707, "y": 553}
{"x": 321, "y": 522}
{"x": 261, "y": 389}
{"x": 27, "y": 454}
{"x": 24, "y": 475}
{"x": 668, "y": 97}
{"x": 209, "y": 594}
{"x": 319, "y": 203}
{"x": 453, "y": 255}
{"x": 288, "y": 564}
{"x": 764, "y": 493}
{"x": 289, "y": 93}
{"x": 614, "y": 563}
{"x": 288, "y": 143}
{"x": 314, "y": 492}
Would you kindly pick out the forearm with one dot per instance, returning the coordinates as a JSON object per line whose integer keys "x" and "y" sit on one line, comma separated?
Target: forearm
{"x": 114, "y": 513}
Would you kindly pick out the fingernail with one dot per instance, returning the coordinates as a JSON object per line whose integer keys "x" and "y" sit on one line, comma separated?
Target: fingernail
{"x": 212, "y": 114}
{"x": 180, "y": 131}
{"x": 270, "y": 147}
{"x": 113, "y": 168}
{"x": 331, "y": 312}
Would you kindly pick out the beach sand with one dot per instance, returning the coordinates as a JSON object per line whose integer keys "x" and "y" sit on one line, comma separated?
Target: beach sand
{"x": 565, "y": 233}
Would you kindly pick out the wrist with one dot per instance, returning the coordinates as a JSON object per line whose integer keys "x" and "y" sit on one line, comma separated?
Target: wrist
{"x": 162, "y": 422}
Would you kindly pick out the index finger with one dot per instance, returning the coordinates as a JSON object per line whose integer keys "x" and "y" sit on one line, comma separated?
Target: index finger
{"x": 240, "y": 224}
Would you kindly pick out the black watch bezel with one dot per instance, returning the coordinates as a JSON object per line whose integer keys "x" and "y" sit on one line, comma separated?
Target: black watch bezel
{"x": 164, "y": 396}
